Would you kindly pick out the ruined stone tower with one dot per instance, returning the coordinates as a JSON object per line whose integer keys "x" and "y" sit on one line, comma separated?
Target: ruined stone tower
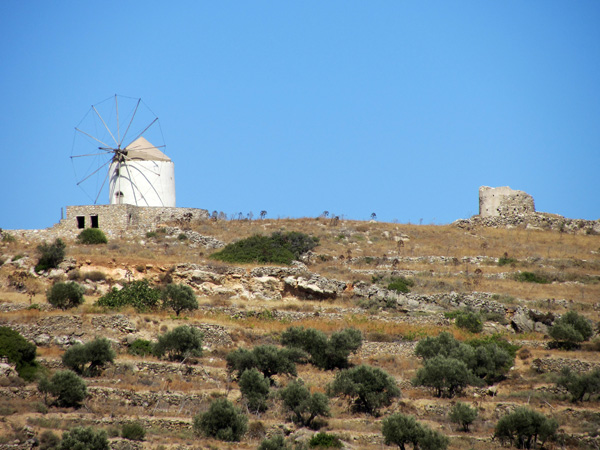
{"x": 504, "y": 201}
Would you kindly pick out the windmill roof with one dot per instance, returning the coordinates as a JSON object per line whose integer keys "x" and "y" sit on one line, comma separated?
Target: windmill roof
{"x": 141, "y": 149}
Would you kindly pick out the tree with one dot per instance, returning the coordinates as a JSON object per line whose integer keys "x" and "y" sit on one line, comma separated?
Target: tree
{"x": 305, "y": 407}
{"x": 447, "y": 376}
{"x": 442, "y": 345}
{"x": 179, "y": 297}
{"x": 277, "y": 442}
{"x": 401, "y": 429}
{"x": 180, "y": 343}
{"x": 84, "y": 439}
{"x": 96, "y": 353}
{"x": 65, "y": 295}
{"x": 580, "y": 385}
{"x": 268, "y": 359}
{"x": 367, "y": 388}
{"x": 51, "y": 255}
{"x": 327, "y": 354}
{"x": 19, "y": 351}
{"x": 255, "y": 389}
{"x": 523, "y": 427}
{"x": 92, "y": 236}
{"x": 463, "y": 414}
{"x": 222, "y": 421}
{"x": 66, "y": 386}
{"x": 571, "y": 330}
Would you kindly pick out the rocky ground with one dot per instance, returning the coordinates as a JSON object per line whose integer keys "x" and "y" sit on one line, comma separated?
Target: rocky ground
{"x": 341, "y": 283}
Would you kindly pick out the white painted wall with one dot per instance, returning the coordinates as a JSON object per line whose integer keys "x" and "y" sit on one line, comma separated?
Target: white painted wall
{"x": 142, "y": 183}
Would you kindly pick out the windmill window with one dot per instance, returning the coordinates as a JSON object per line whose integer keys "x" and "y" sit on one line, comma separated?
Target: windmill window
{"x": 80, "y": 222}
{"x": 94, "y": 221}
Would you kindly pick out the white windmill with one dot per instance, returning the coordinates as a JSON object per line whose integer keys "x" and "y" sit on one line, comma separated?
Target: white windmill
{"x": 123, "y": 134}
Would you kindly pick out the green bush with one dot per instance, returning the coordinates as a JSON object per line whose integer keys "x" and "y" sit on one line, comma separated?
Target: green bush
{"x": 19, "y": 352}
{"x": 279, "y": 248}
{"x": 327, "y": 354}
{"x": 305, "y": 407}
{"x": 255, "y": 389}
{"x": 448, "y": 376}
{"x": 580, "y": 385}
{"x": 523, "y": 427}
{"x": 179, "y": 297}
{"x": 140, "y": 347}
{"x": 92, "y": 236}
{"x": 138, "y": 294}
{"x": 51, "y": 255}
{"x": 66, "y": 386}
{"x": 400, "y": 429}
{"x": 462, "y": 414}
{"x": 133, "y": 431}
{"x": 470, "y": 321}
{"x": 268, "y": 359}
{"x": 84, "y": 439}
{"x": 400, "y": 285}
{"x": 8, "y": 238}
{"x": 367, "y": 388}
{"x": 505, "y": 261}
{"x": 180, "y": 343}
{"x": 277, "y": 442}
{"x": 570, "y": 330}
{"x": 222, "y": 421}
{"x": 325, "y": 440}
{"x": 65, "y": 295}
{"x": 96, "y": 353}
{"x": 530, "y": 277}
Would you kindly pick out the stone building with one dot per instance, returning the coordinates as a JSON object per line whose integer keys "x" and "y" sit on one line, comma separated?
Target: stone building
{"x": 504, "y": 201}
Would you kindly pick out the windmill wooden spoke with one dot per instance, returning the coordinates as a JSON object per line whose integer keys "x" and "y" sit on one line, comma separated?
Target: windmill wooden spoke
{"x": 105, "y": 126}
{"x": 131, "y": 121}
{"x": 94, "y": 172}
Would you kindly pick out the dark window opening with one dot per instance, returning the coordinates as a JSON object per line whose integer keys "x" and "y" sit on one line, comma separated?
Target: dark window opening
{"x": 94, "y": 221}
{"x": 80, "y": 222}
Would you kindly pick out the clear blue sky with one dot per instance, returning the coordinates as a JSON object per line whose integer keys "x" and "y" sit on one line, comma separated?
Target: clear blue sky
{"x": 394, "y": 107}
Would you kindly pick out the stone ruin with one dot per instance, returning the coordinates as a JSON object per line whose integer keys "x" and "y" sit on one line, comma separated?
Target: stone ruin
{"x": 504, "y": 201}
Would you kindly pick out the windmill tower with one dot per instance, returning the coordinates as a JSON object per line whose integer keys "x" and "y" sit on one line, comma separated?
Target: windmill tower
{"x": 118, "y": 134}
{"x": 142, "y": 175}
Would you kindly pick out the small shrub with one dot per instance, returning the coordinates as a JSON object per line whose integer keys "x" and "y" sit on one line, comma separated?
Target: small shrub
{"x": 505, "y": 260}
{"x": 8, "y": 238}
{"x": 222, "y": 421}
{"x": 279, "y": 248}
{"x": 470, "y": 321}
{"x": 138, "y": 294}
{"x": 51, "y": 255}
{"x": 179, "y": 344}
{"x": 325, "y": 440}
{"x": 92, "y": 236}
{"x": 277, "y": 442}
{"x": 140, "y": 347}
{"x": 530, "y": 277}
{"x": 94, "y": 275}
{"x": 84, "y": 439}
{"x": 182, "y": 237}
{"x": 19, "y": 352}
{"x": 49, "y": 441}
{"x": 133, "y": 431}
{"x": 256, "y": 430}
{"x": 400, "y": 285}
{"x": 65, "y": 295}
{"x": 151, "y": 234}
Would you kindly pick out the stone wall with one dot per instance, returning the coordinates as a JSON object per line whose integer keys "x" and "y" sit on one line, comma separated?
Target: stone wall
{"x": 115, "y": 220}
{"x": 504, "y": 201}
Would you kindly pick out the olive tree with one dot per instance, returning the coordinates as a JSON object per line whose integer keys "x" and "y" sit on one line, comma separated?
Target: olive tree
{"x": 80, "y": 438}
{"x": 401, "y": 429}
{"x": 304, "y": 406}
{"x": 571, "y": 330}
{"x": 367, "y": 388}
{"x": 447, "y": 376}
{"x": 462, "y": 414}
{"x": 65, "y": 295}
{"x": 255, "y": 389}
{"x": 180, "y": 343}
{"x": 268, "y": 359}
{"x": 580, "y": 385}
{"x": 523, "y": 427}
{"x": 19, "y": 351}
{"x": 179, "y": 297}
{"x": 66, "y": 386}
{"x": 222, "y": 421}
{"x": 88, "y": 359}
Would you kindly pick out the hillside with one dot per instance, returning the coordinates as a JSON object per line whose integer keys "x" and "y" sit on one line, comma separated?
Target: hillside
{"x": 343, "y": 282}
